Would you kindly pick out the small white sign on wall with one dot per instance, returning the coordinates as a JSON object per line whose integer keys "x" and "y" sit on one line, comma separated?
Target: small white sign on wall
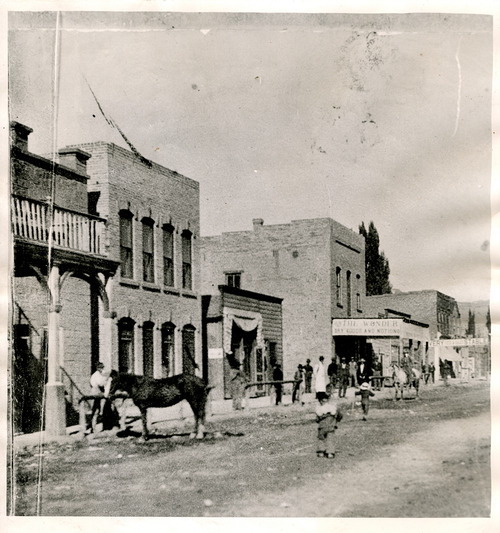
{"x": 215, "y": 353}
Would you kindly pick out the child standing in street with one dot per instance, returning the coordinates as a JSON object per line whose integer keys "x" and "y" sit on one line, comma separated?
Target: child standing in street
{"x": 327, "y": 417}
{"x": 365, "y": 393}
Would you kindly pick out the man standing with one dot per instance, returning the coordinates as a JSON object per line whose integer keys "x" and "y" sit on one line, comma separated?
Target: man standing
{"x": 308, "y": 372}
{"x": 332, "y": 373}
{"x": 320, "y": 379}
{"x": 432, "y": 370}
{"x": 362, "y": 373}
{"x": 353, "y": 367}
{"x": 278, "y": 376}
{"x": 98, "y": 382}
{"x": 343, "y": 377}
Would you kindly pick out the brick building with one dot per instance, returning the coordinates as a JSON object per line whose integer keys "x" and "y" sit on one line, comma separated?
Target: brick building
{"x": 431, "y": 307}
{"x": 116, "y": 279}
{"x": 316, "y": 266}
{"x": 153, "y": 222}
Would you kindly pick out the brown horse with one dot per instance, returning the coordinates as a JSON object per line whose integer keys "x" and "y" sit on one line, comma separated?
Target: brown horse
{"x": 147, "y": 392}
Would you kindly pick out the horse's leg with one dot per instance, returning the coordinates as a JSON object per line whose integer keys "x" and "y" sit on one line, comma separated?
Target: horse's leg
{"x": 144, "y": 417}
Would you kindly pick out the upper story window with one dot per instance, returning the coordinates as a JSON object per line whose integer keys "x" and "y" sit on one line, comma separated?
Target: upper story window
{"x": 187, "y": 264}
{"x": 348, "y": 287}
{"x": 358, "y": 294}
{"x": 338, "y": 284}
{"x": 148, "y": 267}
{"x": 168, "y": 255}
{"x": 233, "y": 279}
{"x": 126, "y": 244}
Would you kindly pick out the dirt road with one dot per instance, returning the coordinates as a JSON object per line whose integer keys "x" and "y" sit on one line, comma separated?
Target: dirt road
{"x": 427, "y": 458}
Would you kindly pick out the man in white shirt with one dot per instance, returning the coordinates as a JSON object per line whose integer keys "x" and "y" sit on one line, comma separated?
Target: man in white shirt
{"x": 99, "y": 382}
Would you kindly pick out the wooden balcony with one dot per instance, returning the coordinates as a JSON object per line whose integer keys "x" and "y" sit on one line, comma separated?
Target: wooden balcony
{"x": 71, "y": 230}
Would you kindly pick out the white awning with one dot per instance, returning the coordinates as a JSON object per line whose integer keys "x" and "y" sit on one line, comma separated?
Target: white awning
{"x": 245, "y": 320}
{"x": 448, "y": 353}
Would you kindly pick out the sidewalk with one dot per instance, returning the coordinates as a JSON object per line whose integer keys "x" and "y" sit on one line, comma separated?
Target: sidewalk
{"x": 181, "y": 414}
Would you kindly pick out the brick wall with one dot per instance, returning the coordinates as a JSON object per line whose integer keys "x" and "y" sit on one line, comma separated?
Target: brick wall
{"x": 290, "y": 261}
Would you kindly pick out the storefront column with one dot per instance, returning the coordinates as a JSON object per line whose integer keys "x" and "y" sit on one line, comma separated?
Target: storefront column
{"x": 55, "y": 414}
{"x": 106, "y": 344}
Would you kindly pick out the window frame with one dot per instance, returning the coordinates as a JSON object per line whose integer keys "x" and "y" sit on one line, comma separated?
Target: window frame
{"x": 168, "y": 261}
{"x": 126, "y": 244}
{"x": 148, "y": 255}
{"x": 187, "y": 260}
{"x": 167, "y": 349}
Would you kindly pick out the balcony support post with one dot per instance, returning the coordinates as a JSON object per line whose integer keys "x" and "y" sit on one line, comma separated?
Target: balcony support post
{"x": 55, "y": 409}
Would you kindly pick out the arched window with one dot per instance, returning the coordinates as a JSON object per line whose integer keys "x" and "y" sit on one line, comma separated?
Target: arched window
{"x": 167, "y": 349}
{"x": 126, "y": 244}
{"x": 188, "y": 350}
{"x": 338, "y": 284}
{"x": 187, "y": 267}
{"x": 168, "y": 255}
{"x": 148, "y": 263}
{"x": 148, "y": 354}
{"x": 126, "y": 345}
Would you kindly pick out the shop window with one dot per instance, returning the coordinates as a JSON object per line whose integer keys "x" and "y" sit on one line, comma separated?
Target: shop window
{"x": 148, "y": 267}
{"x": 187, "y": 275}
{"x": 167, "y": 349}
{"x": 168, "y": 255}
{"x": 126, "y": 345}
{"x": 148, "y": 349}
{"x": 126, "y": 244}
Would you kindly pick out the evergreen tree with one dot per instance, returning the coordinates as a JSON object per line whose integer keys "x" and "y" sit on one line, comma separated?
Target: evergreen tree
{"x": 471, "y": 325}
{"x": 376, "y": 264}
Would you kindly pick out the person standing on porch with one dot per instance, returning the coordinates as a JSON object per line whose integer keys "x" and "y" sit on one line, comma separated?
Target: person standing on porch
{"x": 343, "y": 377}
{"x": 238, "y": 382}
{"x": 98, "y": 382}
{"x": 319, "y": 375}
{"x": 308, "y": 373}
{"x": 353, "y": 367}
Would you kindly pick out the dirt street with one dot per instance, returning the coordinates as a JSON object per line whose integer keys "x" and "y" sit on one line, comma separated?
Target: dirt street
{"x": 412, "y": 458}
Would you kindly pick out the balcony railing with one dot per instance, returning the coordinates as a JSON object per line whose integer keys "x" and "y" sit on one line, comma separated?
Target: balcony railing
{"x": 70, "y": 229}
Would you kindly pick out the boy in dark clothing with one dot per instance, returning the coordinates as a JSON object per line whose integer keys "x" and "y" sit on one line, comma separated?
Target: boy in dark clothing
{"x": 278, "y": 376}
{"x": 365, "y": 393}
{"x": 327, "y": 417}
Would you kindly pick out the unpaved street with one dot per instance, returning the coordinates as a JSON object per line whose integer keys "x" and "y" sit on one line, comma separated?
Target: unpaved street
{"x": 427, "y": 458}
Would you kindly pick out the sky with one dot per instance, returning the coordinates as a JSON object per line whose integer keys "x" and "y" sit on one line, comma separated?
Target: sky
{"x": 383, "y": 118}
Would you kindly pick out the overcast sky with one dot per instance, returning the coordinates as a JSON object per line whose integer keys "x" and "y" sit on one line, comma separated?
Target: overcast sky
{"x": 383, "y": 118}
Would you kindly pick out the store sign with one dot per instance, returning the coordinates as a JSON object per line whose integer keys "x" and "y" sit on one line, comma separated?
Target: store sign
{"x": 458, "y": 342}
{"x": 373, "y": 327}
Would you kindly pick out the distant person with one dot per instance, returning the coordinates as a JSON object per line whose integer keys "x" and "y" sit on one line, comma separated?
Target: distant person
{"x": 308, "y": 373}
{"x": 238, "y": 382}
{"x": 328, "y": 416}
{"x": 365, "y": 393}
{"x": 278, "y": 376}
{"x": 432, "y": 371}
{"x": 353, "y": 367}
{"x": 298, "y": 386}
{"x": 377, "y": 375}
{"x": 407, "y": 365}
{"x": 362, "y": 372}
{"x": 332, "y": 374}
{"x": 343, "y": 371}
{"x": 319, "y": 374}
{"x": 425, "y": 372}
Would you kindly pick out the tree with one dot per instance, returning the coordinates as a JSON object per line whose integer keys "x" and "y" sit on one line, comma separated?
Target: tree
{"x": 471, "y": 325}
{"x": 376, "y": 264}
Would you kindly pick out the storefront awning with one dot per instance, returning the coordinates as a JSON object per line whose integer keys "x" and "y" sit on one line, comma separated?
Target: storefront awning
{"x": 448, "y": 353}
{"x": 245, "y": 320}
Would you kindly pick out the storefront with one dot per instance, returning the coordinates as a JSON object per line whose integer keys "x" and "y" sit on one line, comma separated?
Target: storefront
{"x": 385, "y": 339}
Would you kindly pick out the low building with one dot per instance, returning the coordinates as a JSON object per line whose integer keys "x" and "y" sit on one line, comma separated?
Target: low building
{"x": 242, "y": 330}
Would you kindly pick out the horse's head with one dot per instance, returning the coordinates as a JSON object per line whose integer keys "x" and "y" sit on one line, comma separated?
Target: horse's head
{"x": 120, "y": 383}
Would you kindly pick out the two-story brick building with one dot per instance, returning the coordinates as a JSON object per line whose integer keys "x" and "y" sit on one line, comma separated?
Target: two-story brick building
{"x": 106, "y": 268}
{"x": 316, "y": 266}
